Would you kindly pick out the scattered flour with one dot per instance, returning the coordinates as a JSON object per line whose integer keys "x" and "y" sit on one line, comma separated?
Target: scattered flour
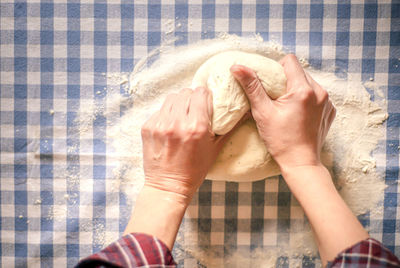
{"x": 57, "y": 213}
{"x": 349, "y": 148}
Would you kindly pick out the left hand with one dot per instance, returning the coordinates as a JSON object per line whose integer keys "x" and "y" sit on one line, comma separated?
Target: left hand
{"x": 179, "y": 146}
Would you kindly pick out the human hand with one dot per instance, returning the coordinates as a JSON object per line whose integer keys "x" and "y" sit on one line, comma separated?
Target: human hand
{"x": 178, "y": 144}
{"x": 293, "y": 126}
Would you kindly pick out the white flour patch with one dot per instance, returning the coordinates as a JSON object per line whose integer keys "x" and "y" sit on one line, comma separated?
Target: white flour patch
{"x": 349, "y": 149}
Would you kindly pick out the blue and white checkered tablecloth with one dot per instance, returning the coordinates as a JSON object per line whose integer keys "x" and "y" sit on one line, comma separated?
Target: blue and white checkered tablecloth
{"x": 53, "y": 56}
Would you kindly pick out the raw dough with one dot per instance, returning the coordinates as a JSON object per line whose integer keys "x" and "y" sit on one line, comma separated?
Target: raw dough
{"x": 229, "y": 101}
{"x": 244, "y": 156}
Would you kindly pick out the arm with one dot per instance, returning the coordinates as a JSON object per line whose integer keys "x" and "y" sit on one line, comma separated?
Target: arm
{"x": 178, "y": 150}
{"x": 334, "y": 225}
{"x": 294, "y": 127}
{"x": 158, "y": 213}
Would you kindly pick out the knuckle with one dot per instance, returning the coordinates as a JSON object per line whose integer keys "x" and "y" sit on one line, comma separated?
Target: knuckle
{"x": 145, "y": 131}
{"x": 165, "y": 133}
{"x": 146, "y": 128}
{"x": 168, "y": 132}
{"x": 202, "y": 129}
{"x": 306, "y": 93}
{"x": 324, "y": 96}
{"x": 156, "y": 133}
{"x": 196, "y": 132}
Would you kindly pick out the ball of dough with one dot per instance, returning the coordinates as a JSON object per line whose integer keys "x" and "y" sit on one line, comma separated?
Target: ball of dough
{"x": 229, "y": 100}
{"x": 244, "y": 157}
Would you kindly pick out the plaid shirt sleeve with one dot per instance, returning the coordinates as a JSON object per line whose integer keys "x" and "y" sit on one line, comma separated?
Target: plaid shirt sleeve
{"x": 132, "y": 250}
{"x": 367, "y": 253}
{"x": 141, "y": 250}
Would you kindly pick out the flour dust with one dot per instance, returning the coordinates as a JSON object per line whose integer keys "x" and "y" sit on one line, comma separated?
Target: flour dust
{"x": 349, "y": 152}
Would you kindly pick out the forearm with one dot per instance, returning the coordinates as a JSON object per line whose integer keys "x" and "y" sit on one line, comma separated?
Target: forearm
{"x": 334, "y": 225}
{"x": 157, "y": 213}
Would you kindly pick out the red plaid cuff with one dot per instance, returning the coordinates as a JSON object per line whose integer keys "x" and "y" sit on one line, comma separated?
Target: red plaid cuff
{"x": 367, "y": 253}
{"x": 132, "y": 250}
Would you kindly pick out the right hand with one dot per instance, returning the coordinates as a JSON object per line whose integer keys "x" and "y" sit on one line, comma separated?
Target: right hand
{"x": 294, "y": 126}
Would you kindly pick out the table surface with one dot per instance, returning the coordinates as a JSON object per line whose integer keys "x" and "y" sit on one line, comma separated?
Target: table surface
{"x": 51, "y": 58}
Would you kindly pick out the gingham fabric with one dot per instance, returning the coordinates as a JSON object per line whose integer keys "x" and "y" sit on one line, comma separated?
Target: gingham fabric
{"x": 53, "y": 60}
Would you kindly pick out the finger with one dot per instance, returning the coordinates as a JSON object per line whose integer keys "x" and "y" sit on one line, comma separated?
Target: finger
{"x": 201, "y": 104}
{"x": 328, "y": 107}
{"x": 294, "y": 72}
{"x": 181, "y": 104}
{"x": 252, "y": 86}
{"x": 167, "y": 105}
{"x": 310, "y": 80}
{"x": 320, "y": 91}
{"x": 332, "y": 115}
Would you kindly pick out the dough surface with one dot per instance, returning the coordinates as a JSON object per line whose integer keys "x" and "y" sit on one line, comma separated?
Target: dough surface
{"x": 244, "y": 156}
{"x": 229, "y": 100}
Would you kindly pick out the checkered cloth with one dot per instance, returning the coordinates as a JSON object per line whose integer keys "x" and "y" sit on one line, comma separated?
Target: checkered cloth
{"x": 52, "y": 57}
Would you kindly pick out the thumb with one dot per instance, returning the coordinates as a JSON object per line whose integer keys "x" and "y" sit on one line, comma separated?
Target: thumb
{"x": 252, "y": 86}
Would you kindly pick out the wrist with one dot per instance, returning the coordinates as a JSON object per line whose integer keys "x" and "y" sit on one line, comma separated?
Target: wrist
{"x": 298, "y": 159}
{"x": 178, "y": 189}
{"x": 310, "y": 178}
{"x": 165, "y": 197}
{"x": 158, "y": 213}
{"x": 289, "y": 169}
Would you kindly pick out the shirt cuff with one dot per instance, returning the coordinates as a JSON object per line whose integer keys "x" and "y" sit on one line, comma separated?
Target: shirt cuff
{"x": 132, "y": 250}
{"x": 367, "y": 253}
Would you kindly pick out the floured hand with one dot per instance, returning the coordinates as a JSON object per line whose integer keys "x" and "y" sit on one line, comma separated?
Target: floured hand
{"x": 293, "y": 126}
{"x": 179, "y": 146}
